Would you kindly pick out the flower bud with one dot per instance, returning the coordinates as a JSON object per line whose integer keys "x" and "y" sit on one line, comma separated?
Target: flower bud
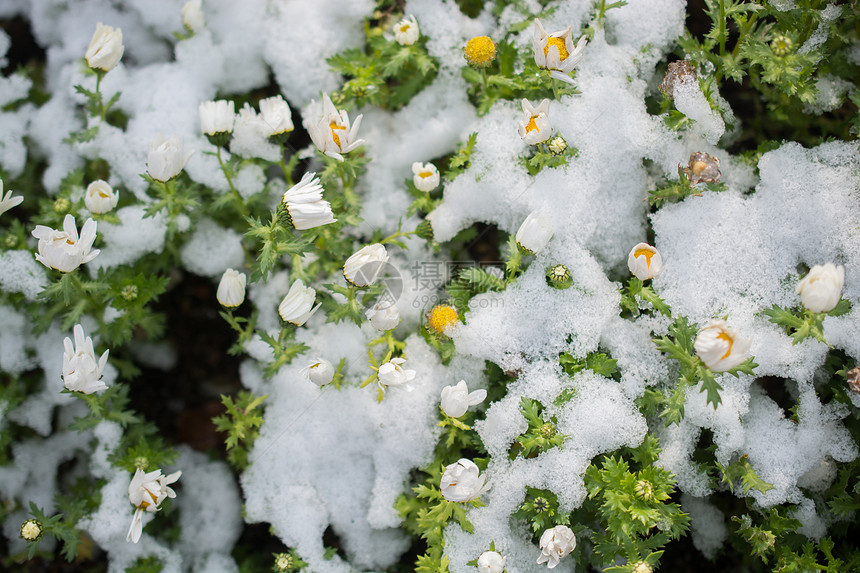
{"x": 457, "y": 399}
{"x": 681, "y": 71}
{"x": 558, "y": 277}
{"x": 166, "y": 159}
{"x": 298, "y": 305}
{"x": 557, "y": 145}
{"x": 534, "y": 234}
{"x": 491, "y": 562}
{"x": 555, "y": 544}
{"x": 383, "y": 317}
{"x": 320, "y": 372}
{"x": 100, "y": 198}
{"x": 192, "y": 16}
{"x": 81, "y": 372}
{"x": 425, "y": 230}
{"x": 781, "y": 45}
{"x": 425, "y": 176}
{"x": 105, "y": 49}
{"x": 644, "y": 261}
{"x": 31, "y": 530}
{"x": 534, "y": 126}
{"x": 821, "y": 289}
{"x": 276, "y": 115}
{"x": 720, "y": 347}
{"x": 231, "y": 289}
{"x": 461, "y": 481}
{"x": 362, "y": 268}
{"x": 62, "y": 205}
{"x": 304, "y": 207}
{"x": 216, "y": 120}
{"x": 406, "y": 31}
{"x": 703, "y": 168}
{"x": 393, "y": 375}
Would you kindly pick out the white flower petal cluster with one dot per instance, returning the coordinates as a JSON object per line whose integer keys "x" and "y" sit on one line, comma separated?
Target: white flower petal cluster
{"x": 462, "y": 481}
{"x": 305, "y": 204}
{"x": 320, "y": 372}
{"x": 383, "y": 316}
{"x": 105, "y": 49}
{"x": 276, "y": 114}
{"x": 406, "y": 31}
{"x": 821, "y": 289}
{"x": 298, "y": 305}
{"x": 555, "y": 544}
{"x": 457, "y": 399}
{"x": 166, "y": 159}
{"x": 720, "y": 347}
{"x": 216, "y": 117}
{"x": 644, "y": 261}
{"x": 100, "y": 197}
{"x": 535, "y": 127}
{"x": 362, "y": 268}
{"x": 7, "y": 201}
{"x": 535, "y": 232}
{"x": 393, "y": 375}
{"x": 192, "y": 16}
{"x": 491, "y": 562}
{"x": 332, "y": 133}
{"x": 425, "y": 176}
{"x": 81, "y": 372}
{"x": 146, "y": 492}
{"x": 64, "y": 250}
{"x": 556, "y": 52}
{"x": 231, "y": 289}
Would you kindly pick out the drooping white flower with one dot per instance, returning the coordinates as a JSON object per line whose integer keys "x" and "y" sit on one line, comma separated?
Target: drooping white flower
{"x": 535, "y": 127}
{"x": 81, "y": 372}
{"x": 192, "y": 16}
{"x": 392, "y": 375}
{"x": 298, "y": 306}
{"x": 305, "y": 204}
{"x": 165, "y": 160}
{"x": 406, "y": 31}
{"x": 64, "y": 250}
{"x": 491, "y": 562}
{"x": 100, "y": 197}
{"x": 555, "y": 544}
{"x": 320, "y": 372}
{"x": 461, "y": 481}
{"x": 535, "y": 232}
{"x": 332, "y": 133}
{"x": 644, "y": 261}
{"x": 7, "y": 201}
{"x": 821, "y": 289}
{"x": 383, "y": 316}
{"x": 720, "y": 347}
{"x": 216, "y": 117}
{"x": 231, "y": 289}
{"x": 105, "y": 49}
{"x": 457, "y": 399}
{"x": 146, "y": 492}
{"x": 556, "y": 52}
{"x": 362, "y": 268}
{"x": 276, "y": 114}
{"x": 425, "y": 176}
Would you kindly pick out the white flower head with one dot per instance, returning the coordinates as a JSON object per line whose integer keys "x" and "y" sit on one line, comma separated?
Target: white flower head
{"x": 720, "y": 347}
{"x": 100, "y": 197}
{"x": 457, "y": 399}
{"x": 64, "y": 250}
{"x": 298, "y": 305}
{"x": 821, "y": 289}
{"x": 644, "y": 261}
{"x": 320, "y": 372}
{"x": 556, "y": 52}
{"x": 535, "y": 127}
{"x": 166, "y": 160}
{"x": 406, "y": 31}
{"x": 461, "y": 481}
{"x": 362, "y": 268}
{"x": 231, "y": 289}
{"x": 146, "y": 492}
{"x": 216, "y": 117}
{"x": 555, "y": 544}
{"x": 491, "y": 562}
{"x": 7, "y": 201}
{"x": 105, "y": 49}
{"x": 276, "y": 114}
{"x": 81, "y": 372}
{"x": 383, "y": 317}
{"x": 192, "y": 16}
{"x": 393, "y": 375}
{"x": 535, "y": 232}
{"x": 305, "y": 205}
{"x": 332, "y": 133}
{"x": 425, "y": 176}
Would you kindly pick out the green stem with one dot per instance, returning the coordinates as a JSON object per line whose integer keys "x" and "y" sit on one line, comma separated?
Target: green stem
{"x": 394, "y": 236}
{"x": 722, "y": 32}
{"x": 242, "y": 207}
{"x": 99, "y": 98}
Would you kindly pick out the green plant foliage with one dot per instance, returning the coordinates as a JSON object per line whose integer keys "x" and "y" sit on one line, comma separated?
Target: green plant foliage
{"x": 242, "y": 424}
{"x": 541, "y": 434}
{"x": 540, "y": 510}
{"x": 802, "y": 323}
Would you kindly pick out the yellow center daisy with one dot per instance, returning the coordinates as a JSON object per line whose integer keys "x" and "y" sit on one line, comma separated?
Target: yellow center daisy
{"x": 480, "y": 51}
{"x": 441, "y": 317}
{"x": 558, "y": 43}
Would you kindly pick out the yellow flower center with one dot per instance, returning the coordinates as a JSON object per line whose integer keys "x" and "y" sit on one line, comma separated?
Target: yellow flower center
{"x": 558, "y": 43}
{"x": 144, "y": 504}
{"x": 698, "y": 167}
{"x": 727, "y": 338}
{"x": 648, "y": 254}
{"x": 103, "y": 194}
{"x": 531, "y": 125}
{"x": 334, "y": 126}
{"x": 480, "y": 51}
{"x": 441, "y": 317}
{"x": 405, "y": 27}
{"x": 425, "y": 174}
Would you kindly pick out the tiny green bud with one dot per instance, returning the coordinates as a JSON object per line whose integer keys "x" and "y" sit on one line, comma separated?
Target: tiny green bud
{"x": 781, "y": 45}
{"x": 558, "y": 276}
{"x": 283, "y": 562}
{"x": 11, "y": 240}
{"x": 31, "y": 530}
{"x": 547, "y": 430}
{"x": 557, "y": 145}
{"x": 541, "y": 504}
{"x": 644, "y": 489}
{"x": 141, "y": 462}
{"x": 62, "y": 205}
{"x": 425, "y": 230}
{"x": 129, "y": 292}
